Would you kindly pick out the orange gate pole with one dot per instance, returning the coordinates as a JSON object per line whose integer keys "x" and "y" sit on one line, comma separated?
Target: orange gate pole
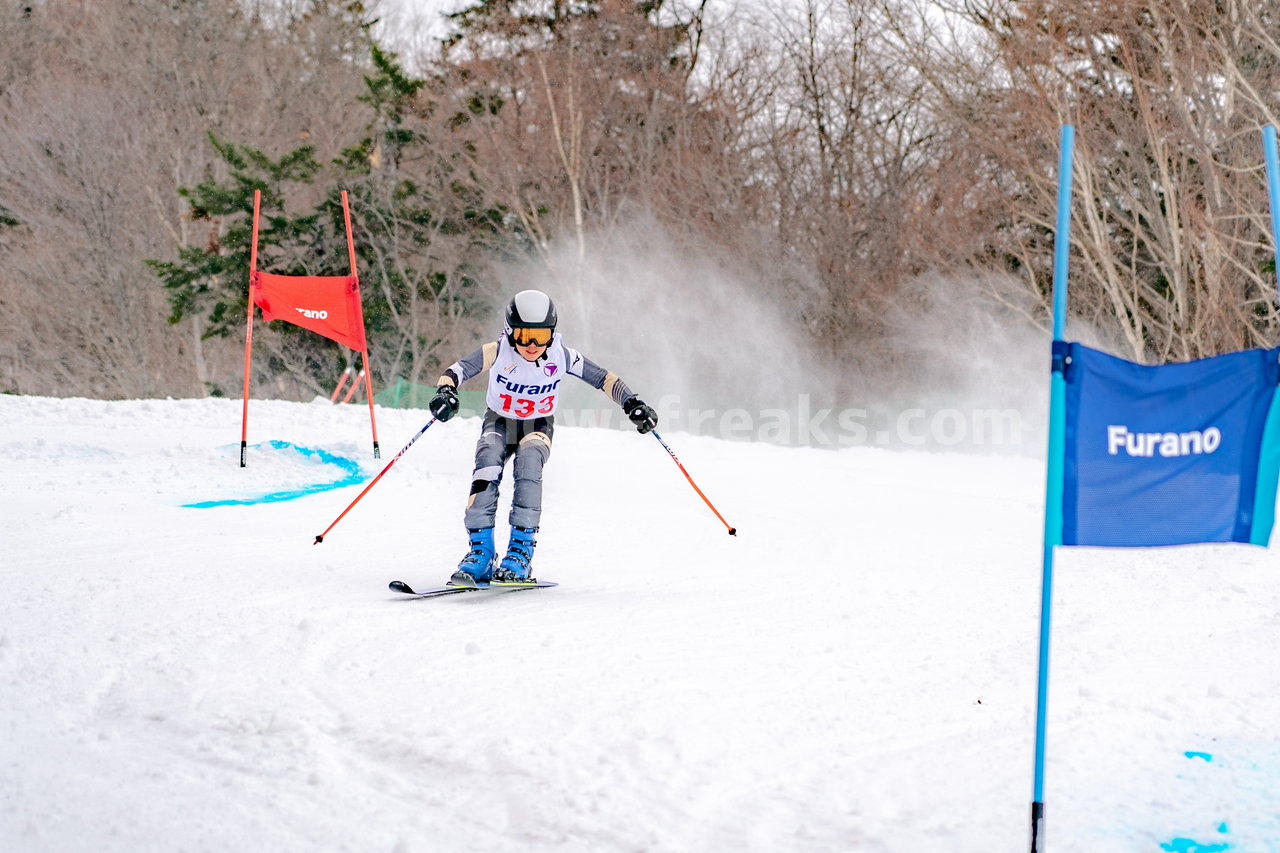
{"x": 248, "y": 335}
{"x": 364, "y": 352}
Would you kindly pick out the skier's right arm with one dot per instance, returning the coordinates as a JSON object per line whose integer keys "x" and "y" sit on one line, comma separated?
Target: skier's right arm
{"x": 473, "y": 365}
{"x": 444, "y": 404}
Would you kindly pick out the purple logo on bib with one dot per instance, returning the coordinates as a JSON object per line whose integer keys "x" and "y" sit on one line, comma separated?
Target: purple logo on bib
{"x": 550, "y": 370}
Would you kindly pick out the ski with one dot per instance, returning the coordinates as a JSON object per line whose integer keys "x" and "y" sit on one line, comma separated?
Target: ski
{"x": 402, "y": 587}
{"x": 405, "y": 589}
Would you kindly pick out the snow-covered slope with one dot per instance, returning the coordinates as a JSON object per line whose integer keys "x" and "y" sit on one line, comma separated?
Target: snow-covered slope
{"x": 854, "y": 672}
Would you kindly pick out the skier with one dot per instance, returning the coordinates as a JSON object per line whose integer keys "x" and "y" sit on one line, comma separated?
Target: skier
{"x": 526, "y": 366}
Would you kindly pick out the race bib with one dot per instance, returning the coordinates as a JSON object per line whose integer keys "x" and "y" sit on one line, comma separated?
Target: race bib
{"x": 522, "y": 389}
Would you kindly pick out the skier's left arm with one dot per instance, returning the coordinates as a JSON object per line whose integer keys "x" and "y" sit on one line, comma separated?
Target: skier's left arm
{"x": 640, "y": 413}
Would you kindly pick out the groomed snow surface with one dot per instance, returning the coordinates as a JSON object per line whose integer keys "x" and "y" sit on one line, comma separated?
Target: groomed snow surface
{"x": 854, "y": 672}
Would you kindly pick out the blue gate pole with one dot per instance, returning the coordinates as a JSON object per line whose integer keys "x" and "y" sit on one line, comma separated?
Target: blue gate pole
{"x": 1054, "y": 468}
{"x": 1273, "y": 187}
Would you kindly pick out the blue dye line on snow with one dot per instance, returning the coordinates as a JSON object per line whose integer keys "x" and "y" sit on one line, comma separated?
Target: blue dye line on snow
{"x": 350, "y": 466}
{"x": 1187, "y": 845}
{"x": 1190, "y": 845}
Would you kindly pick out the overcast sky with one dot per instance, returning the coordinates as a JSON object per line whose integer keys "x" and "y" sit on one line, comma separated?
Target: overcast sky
{"x": 415, "y": 19}
{"x": 415, "y": 22}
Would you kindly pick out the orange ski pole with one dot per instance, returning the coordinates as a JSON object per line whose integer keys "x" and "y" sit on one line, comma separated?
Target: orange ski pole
{"x": 372, "y": 483}
{"x": 733, "y": 531}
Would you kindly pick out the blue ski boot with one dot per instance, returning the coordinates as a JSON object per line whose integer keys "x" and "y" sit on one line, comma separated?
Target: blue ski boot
{"x": 516, "y": 566}
{"x": 477, "y": 566}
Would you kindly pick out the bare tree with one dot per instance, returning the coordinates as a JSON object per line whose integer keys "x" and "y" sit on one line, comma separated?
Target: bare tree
{"x": 103, "y": 116}
{"x": 572, "y": 114}
{"x": 1171, "y": 245}
{"x": 847, "y": 170}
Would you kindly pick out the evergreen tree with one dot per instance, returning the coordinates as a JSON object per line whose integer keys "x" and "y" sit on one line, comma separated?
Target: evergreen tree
{"x": 422, "y": 231}
{"x": 213, "y": 279}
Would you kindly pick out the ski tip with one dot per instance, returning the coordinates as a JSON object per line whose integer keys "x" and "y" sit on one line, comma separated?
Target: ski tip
{"x": 400, "y": 586}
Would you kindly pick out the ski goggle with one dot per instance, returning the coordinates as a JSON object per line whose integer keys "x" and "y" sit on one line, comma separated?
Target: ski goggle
{"x": 525, "y": 337}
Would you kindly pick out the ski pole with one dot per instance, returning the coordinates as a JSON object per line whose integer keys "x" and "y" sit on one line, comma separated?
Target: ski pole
{"x": 373, "y": 482}
{"x": 733, "y": 531}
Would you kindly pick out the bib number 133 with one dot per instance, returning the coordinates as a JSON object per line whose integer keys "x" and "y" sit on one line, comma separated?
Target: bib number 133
{"x": 523, "y": 408}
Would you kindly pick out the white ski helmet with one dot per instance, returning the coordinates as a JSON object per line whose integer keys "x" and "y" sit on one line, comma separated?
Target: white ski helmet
{"x": 530, "y": 309}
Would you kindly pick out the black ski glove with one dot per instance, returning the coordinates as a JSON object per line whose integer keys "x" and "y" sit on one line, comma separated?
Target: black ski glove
{"x": 642, "y": 415}
{"x": 444, "y": 404}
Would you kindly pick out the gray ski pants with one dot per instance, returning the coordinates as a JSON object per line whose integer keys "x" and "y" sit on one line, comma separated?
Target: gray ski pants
{"x": 529, "y": 442}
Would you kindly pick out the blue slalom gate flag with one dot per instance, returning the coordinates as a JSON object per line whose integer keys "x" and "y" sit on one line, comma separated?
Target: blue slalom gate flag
{"x": 1150, "y": 455}
{"x": 1169, "y": 454}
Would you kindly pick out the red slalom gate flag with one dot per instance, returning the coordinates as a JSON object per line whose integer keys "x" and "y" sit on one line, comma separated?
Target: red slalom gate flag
{"x": 328, "y": 305}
